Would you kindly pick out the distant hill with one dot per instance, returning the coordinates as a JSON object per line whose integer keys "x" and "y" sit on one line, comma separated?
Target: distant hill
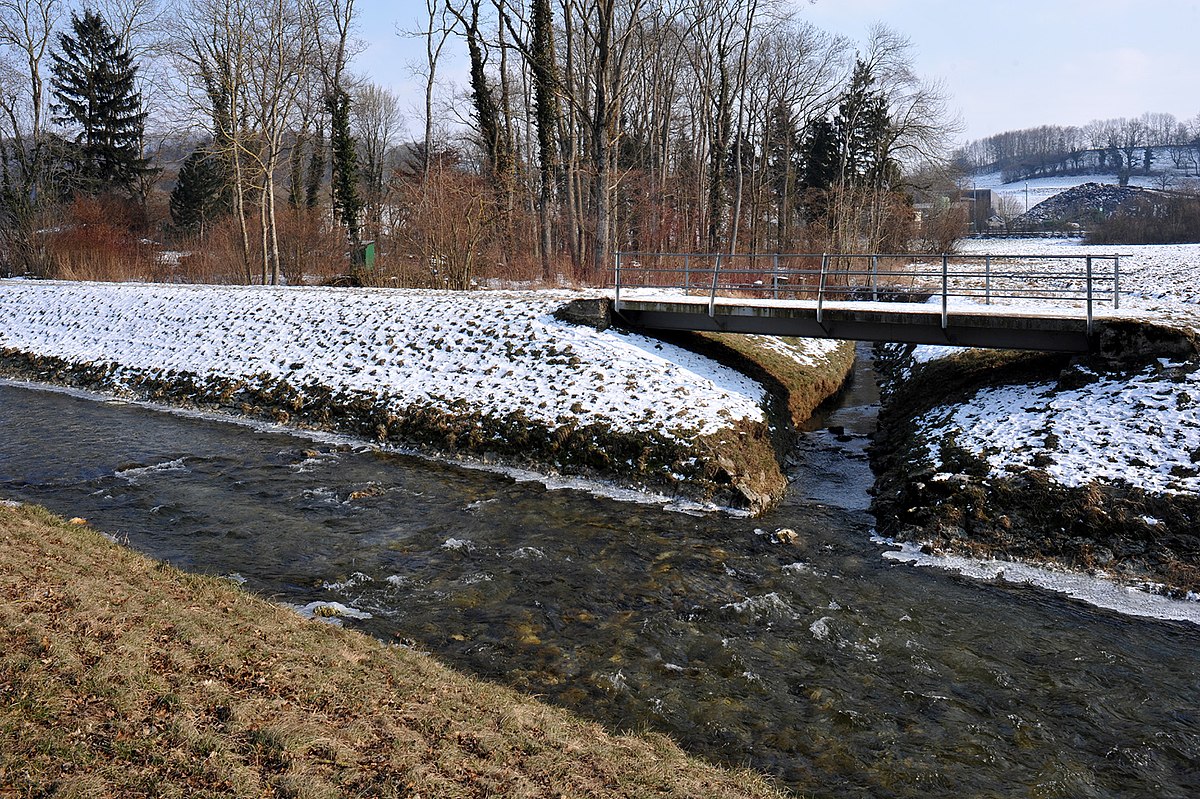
{"x": 1027, "y": 193}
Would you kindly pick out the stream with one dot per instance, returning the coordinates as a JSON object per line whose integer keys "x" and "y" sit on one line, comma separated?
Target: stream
{"x": 804, "y": 653}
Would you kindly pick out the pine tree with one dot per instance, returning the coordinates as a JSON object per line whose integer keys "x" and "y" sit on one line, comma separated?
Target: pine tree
{"x": 820, "y": 154}
{"x": 92, "y": 77}
{"x": 200, "y": 194}
{"x": 861, "y": 126}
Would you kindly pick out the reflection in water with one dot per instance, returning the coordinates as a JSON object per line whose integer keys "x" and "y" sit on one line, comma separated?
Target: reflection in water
{"x": 810, "y": 657}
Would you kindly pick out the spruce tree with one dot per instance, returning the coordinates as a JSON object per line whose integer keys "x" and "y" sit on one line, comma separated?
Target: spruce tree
{"x": 861, "y": 126}
{"x": 821, "y": 156}
{"x": 92, "y": 77}
{"x": 200, "y": 193}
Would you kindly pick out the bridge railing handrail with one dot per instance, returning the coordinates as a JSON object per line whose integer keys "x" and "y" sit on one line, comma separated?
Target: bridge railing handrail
{"x": 972, "y": 276}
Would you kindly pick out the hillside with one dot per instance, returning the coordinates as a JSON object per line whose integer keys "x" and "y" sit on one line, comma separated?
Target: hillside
{"x": 126, "y": 677}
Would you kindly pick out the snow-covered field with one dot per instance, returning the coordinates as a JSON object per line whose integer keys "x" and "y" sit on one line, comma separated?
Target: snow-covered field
{"x": 1028, "y": 193}
{"x": 1161, "y": 277}
{"x": 491, "y": 352}
{"x": 1143, "y": 429}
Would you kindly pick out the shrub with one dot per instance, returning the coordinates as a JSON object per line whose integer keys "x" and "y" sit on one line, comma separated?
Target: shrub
{"x": 1173, "y": 219}
{"x": 101, "y": 238}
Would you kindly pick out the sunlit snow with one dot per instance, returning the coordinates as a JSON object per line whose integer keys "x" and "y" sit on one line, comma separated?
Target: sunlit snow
{"x": 1142, "y": 429}
{"x": 492, "y": 352}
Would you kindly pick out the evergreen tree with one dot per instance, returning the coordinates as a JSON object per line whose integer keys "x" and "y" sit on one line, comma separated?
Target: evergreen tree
{"x": 821, "y": 156}
{"x": 200, "y": 194}
{"x": 344, "y": 159}
{"x": 861, "y": 127}
{"x": 92, "y": 77}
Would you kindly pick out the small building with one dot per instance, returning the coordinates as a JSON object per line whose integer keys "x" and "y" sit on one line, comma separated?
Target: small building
{"x": 980, "y": 205}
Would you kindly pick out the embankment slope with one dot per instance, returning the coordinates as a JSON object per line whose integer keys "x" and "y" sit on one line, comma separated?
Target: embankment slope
{"x": 1093, "y": 464}
{"x": 489, "y": 375}
{"x": 120, "y": 676}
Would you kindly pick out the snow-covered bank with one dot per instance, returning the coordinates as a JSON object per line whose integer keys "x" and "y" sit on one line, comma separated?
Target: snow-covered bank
{"x": 1086, "y": 462}
{"x": 481, "y": 372}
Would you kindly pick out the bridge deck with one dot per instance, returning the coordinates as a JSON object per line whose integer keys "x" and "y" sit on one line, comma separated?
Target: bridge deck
{"x": 965, "y": 325}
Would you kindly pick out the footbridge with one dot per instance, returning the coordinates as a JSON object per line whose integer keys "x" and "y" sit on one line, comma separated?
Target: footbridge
{"x": 1047, "y": 303}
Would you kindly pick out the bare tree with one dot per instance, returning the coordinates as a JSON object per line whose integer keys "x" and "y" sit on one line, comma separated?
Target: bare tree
{"x": 439, "y": 25}
{"x": 282, "y": 59}
{"x": 376, "y": 124}
{"x": 212, "y": 45}
{"x": 26, "y": 27}
{"x": 607, "y": 35}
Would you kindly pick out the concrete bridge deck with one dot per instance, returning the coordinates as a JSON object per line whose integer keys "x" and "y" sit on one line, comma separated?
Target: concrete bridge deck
{"x": 993, "y": 300}
{"x": 964, "y": 325}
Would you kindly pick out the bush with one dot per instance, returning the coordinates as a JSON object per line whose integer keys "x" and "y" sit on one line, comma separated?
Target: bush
{"x": 451, "y": 233}
{"x": 101, "y": 238}
{"x": 1172, "y": 219}
{"x": 313, "y": 250}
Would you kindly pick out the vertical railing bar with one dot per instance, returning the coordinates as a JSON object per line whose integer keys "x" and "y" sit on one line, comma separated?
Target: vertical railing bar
{"x": 874, "y": 278}
{"x": 775, "y": 273}
{"x": 712, "y": 296}
{"x": 1116, "y": 282}
{"x": 987, "y": 279}
{"x": 687, "y": 274}
{"x": 821, "y": 286}
{"x": 617, "y": 278}
{"x": 1089, "y": 295}
{"x": 945, "y": 290}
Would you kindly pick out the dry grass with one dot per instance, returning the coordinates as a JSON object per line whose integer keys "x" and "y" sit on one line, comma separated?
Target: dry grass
{"x": 120, "y": 676}
{"x": 804, "y": 388}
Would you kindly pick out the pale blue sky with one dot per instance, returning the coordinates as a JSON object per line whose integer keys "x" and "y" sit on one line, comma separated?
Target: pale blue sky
{"x": 1006, "y": 64}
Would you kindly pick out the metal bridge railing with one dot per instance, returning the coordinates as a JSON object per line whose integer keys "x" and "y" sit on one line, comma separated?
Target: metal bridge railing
{"x": 1058, "y": 281}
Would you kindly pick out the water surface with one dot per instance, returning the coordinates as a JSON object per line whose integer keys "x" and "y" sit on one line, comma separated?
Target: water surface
{"x": 809, "y": 657}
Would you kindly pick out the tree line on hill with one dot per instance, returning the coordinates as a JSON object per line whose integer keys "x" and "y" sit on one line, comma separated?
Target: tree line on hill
{"x": 1124, "y": 147}
{"x": 588, "y": 126}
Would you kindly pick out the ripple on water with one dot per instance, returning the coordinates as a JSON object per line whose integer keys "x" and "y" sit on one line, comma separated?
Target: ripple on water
{"x": 817, "y": 659}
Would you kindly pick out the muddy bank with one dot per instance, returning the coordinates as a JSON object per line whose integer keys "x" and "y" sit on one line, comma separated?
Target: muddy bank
{"x": 1029, "y": 494}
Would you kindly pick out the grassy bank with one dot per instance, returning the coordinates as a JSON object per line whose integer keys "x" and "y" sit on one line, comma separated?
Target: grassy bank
{"x": 120, "y": 676}
{"x": 802, "y": 384}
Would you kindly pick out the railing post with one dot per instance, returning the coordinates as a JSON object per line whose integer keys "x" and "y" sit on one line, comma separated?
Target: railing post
{"x": 987, "y": 280}
{"x": 617, "y": 277}
{"x": 687, "y": 274}
{"x": 821, "y": 286}
{"x": 1089, "y": 295}
{"x": 945, "y": 289}
{"x": 874, "y": 278}
{"x": 1116, "y": 282}
{"x": 712, "y": 296}
{"x": 775, "y": 274}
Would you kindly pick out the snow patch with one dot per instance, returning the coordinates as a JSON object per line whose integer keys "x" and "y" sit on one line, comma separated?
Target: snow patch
{"x": 1093, "y": 590}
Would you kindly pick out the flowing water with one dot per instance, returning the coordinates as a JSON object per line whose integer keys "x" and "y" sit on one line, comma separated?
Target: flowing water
{"x": 810, "y": 657}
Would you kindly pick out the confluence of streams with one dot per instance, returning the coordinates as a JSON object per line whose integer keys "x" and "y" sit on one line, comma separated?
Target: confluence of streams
{"x": 816, "y": 660}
